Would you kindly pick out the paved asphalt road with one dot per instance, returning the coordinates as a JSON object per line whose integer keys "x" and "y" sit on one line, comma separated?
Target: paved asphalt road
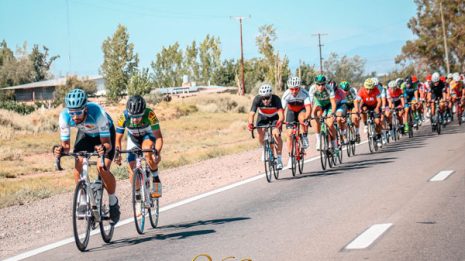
{"x": 318, "y": 215}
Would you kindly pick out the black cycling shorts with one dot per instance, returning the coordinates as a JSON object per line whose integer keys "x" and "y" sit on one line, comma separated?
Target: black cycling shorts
{"x": 88, "y": 143}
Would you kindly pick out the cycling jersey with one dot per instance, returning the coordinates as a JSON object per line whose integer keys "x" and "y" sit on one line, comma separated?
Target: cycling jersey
{"x": 340, "y": 96}
{"x": 96, "y": 124}
{"x": 394, "y": 94}
{"x": 456, "y": 88}
{"x": 437, "y": 90}
{"x": 296, "y": 103}
{"x": 146, "y": 126}
{"x": 409, "y": 93}
{"x": 269, "y": 110}
{"x": 369, "y": 99}
{"x": 321, "y": 99}
{"x": 351, "y": 95}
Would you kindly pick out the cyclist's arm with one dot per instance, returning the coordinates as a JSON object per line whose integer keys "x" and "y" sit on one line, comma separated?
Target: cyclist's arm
{"x": 402, "y": 101}
{"x": 251, "y": 117}
{"x": 158, "y": 140}
{"x": 378, "y": 105}
{"x": 66, "y": 146}
{"x": 281, "y": 115}
{"x": 333, "y": 104}
{"x": 118, "y": 139}
{"x": 106, "y": 142}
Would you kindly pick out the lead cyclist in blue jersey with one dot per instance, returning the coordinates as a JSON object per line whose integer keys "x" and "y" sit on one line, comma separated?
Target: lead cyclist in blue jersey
{"x": 95, "y": 133}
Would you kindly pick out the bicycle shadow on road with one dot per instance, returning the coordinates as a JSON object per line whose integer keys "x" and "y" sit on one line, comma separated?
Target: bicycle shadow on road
{"x": 157, "y": 234}
{"x": 343, "y": 168}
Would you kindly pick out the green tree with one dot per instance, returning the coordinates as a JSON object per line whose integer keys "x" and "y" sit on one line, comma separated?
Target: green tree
{"x": 344, "y": 68}
{"x": 168, "y": 67}
{"x": 264, "y": 42}
{"x": 41, "y": 63}
{"x": 72, "y": 82}
{"x": 226, "y": 74}
{"x": 210, "y": 57}
{"x": 119, "y": 63}
{"x": 428, "y": 48}
{"x": 6, "y": 54}
{"x": 140, "y": 83}
{"x": 190, "y": 63}
{"x": 307, "y": 73}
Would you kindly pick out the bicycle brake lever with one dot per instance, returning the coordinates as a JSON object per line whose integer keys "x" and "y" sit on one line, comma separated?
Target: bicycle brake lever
{"x": 58, "y": 164}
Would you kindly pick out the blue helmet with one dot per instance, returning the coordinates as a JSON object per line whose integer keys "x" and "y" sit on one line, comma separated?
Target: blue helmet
{"x": 76, "y": 99}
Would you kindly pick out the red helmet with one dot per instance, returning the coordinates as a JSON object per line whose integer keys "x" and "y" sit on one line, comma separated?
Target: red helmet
{"x": 428, "y": 77}
{"x": 414, "y": 79}
{"x": 443, "y": 78}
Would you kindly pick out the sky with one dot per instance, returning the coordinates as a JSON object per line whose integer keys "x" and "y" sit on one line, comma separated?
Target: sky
{"x": 75, "y": 29}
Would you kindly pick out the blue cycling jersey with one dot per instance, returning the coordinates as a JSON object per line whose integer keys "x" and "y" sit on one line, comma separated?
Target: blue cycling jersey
{"x": 97, "y": 122}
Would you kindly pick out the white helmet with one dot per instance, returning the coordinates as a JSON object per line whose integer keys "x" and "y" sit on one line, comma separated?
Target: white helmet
{"x": 456, "y": 77}
{"x": 450, "y": 76}
{"x": 375, "y": 81}
{"x": 392, "y": 84}
{"x": 265, "y": 90}
{"x": 435, "y": 77}
{"x": 293, "y": 82}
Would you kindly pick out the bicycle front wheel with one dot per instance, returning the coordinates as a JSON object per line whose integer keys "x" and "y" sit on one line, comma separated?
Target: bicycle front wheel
{"x": 154, "y": 213}
{"x": 267, "y": 161}
{"x": 371, "y": 138}
{"x": 82, "y": 218}
{"x": 106, "y": 229}
{"x": 301, "y": 153}
{"x": 138, "y": 200}
{"x": 323, "y": 149}
{"x": 352, "y": 139}
{"x": 294, "y": 156}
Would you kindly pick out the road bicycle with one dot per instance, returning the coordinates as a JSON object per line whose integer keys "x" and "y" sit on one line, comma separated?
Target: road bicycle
{"x": 143, "y": 203}
{"x": 269, "y": 146}
{"x": 91, "y": 206}
{"x": 351, "y": 135}
{"x": 297, "y": 153}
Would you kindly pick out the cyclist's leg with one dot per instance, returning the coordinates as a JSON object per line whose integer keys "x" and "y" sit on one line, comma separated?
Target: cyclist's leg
{"x": 261, "y": 121}
{"x": 131, "y": 158}
{"x": 291, "y": 116}
{"x": 148, "y": 143}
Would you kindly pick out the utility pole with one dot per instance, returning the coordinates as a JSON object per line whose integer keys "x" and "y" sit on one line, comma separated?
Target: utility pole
{"x": 445, "y": 39}
{"x": 320, "y": 45}
{"x": 242, "y": 89}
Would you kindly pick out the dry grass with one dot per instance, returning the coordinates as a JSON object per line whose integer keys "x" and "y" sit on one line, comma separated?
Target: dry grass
{"x": 194, "y": 129}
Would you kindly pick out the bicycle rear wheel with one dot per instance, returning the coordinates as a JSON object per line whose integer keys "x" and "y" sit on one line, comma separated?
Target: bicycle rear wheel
{"x": 82, "y": 221}
{"x": 458, "y": 109}
{"x": 323, "y": 150}
{"x": 267, "y": 162}
{"x": 410, "y": 123}
{"x": 138, "y": 201}
{"x": 106, "y": 229}
{"x": 339, "y": 145}
{"x": 371, "y": 138}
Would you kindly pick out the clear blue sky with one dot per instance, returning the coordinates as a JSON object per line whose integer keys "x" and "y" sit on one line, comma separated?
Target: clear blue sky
{"x": 373, "y": 29}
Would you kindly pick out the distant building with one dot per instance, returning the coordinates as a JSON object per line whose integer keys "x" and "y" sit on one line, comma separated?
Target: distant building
{"x": 44, "y": 90}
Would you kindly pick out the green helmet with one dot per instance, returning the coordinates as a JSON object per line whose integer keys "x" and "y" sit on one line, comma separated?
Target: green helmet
{"x": 320, "y": 78}
{"x": 345, "y": 85}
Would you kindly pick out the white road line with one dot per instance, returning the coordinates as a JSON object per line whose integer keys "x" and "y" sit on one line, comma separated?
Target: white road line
{"x": 442, "y": 175}
{"x": 162, "y": 209}
{"x": 368, "y": 237}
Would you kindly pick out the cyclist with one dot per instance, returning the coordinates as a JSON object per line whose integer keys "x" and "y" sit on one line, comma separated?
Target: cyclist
{"x": 143, "y": 132}
{"x": 351, "y": 95}
{"x": 324, "y": 104}
{"x": 384, "y": 105}
{"x": 297, "y": 102}
{"x": 270, "y": 110}
{"x": 341, "y": 108}
{"x": 456, "y": 91}
{"x": 369, "y": 99}
{"x": 437, "y": 92}
{"x": 95, "y": 133}
{"x": 410, "y": 98}
{"x": 395, "y": 100}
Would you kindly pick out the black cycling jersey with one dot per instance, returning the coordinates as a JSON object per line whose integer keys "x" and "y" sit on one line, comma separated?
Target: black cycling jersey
{"x": 269, "y": 110}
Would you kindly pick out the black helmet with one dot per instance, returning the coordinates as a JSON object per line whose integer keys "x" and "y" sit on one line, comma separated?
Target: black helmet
{"x": 135, "y": 105}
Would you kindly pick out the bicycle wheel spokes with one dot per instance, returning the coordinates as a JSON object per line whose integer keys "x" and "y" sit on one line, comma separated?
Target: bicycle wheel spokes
{"x": 294, "y": 156}
{"x": 106, "y": 229}
{"x": 138, "y": 197}
{"x": 371, "y": 139}
{"x": 82, "y": 219}
{"x": 301, "y": 154}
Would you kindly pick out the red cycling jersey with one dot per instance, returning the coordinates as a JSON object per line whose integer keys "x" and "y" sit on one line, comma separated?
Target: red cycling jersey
{"x": 369, "y": 99}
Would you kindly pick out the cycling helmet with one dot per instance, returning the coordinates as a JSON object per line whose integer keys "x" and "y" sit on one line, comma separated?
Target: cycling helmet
{"x": 135, "y": 105}
{"x": 435, "y": 77}
{"x": 375, "y": 81}
{"x": 392, "y": 85}
{"x": 345, "y": 85}
{"x": 333, "y": 85}
{"x": 293, "y": 82}
{"x": 320, "y": 79}
{"x": 428, "y": 77}
{"x": 369, "y": 84}
{"x": 450, "y": 76}
{"x": 414, "y": 79}
{"x": 408, "y": 80}
{"x": 265, "y": 90}
{"x": 456, "y": 77}
{"x": 76, "y": 99}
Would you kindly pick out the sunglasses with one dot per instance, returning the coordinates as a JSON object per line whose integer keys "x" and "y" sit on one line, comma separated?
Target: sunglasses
{"x": 136, "y": 116}
{"x": 76, "y": 113}
{"x": 321, "y": 84}
{"x": 266, "y": 98}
